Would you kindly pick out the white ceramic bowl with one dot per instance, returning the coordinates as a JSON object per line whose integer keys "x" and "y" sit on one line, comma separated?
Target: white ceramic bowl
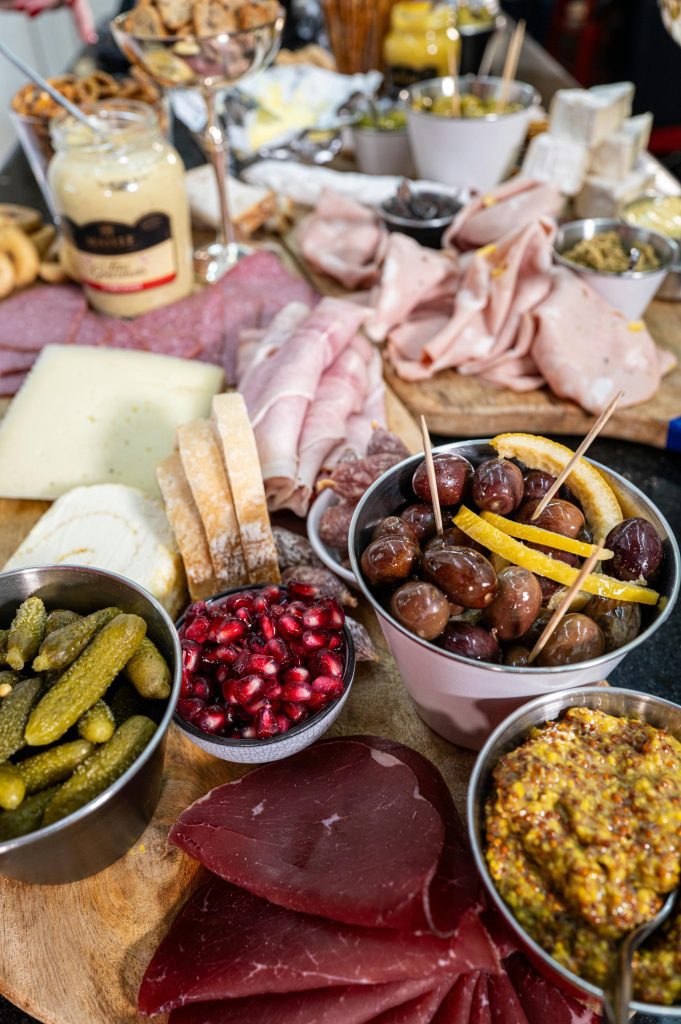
{"x": 383, "y": 152}
{"x": 277, "y": 747}
{"x": 461, "y": 699}
{"x": 329, "y": 556}
{"x": 632, "y": 291}
{"x": 476, "y": 152}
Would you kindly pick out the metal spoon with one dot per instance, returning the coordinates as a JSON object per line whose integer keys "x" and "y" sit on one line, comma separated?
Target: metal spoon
{"x": 38, "y": 79}
{"x": 617, "y": 995}
{"x": 634, "y": 257}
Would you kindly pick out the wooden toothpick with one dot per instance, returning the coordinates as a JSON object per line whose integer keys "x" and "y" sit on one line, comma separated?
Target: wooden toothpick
{"x": 564, "y": 606}
{"x": 453, "y": 60}
{"x": 591, "y": 436}
{"x": 511, "y": 64}
{"x": 430, "y": 468}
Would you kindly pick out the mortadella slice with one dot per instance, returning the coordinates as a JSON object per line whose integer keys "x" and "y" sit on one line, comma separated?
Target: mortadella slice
{"x": 340, "y": 830}
{"x": 226, "y": 944}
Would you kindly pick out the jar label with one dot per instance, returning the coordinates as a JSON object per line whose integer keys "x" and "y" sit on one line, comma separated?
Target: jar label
{"x": 402, "y": 76}
{"x": 114, "y": 257}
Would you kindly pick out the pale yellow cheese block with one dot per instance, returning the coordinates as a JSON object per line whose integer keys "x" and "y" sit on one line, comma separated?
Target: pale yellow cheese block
{"x": 185, "y": 521}
{"x": 207, "y": 478}
{"x": 88, "y": 415}
{"x": 235, "y": 434}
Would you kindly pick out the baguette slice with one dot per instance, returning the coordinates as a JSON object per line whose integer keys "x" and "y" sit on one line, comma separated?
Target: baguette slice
{"x": 187, "y": 527}
{"x": 235, "y": 434}
{"x": 206, "y": 476}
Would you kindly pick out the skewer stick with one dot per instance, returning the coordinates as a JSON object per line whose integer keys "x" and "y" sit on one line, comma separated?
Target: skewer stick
{"x": 593, "y": 433}
{"x": 564, "y": 606}
{"x": 453, "y": 60}
{"x": 511, "y": 63}
{"x": 430, "y": 467}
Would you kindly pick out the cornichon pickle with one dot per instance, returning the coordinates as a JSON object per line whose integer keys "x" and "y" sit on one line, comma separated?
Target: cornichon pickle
{"x": 59, "y": 618}
{"x": 148, "y": 672}
{"x": 7, "y": 681}
{"x": 26, "y": 633}
{"x": 12, "y": 787}
{"x": 86, "y": 680}
{"x": 55, "y": 765}
{"x": 27, "y": 817}
{"x": 14, "y": 712}
{"x": 125, "y": 702}
{"x": 64, "y": 645}
{"x": 102, "y": 768}
{"x": 4, "y": 635}
{"x": 97, "y": 724}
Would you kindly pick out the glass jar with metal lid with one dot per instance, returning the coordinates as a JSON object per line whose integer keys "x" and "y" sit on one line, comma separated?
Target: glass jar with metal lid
{"x": 120, "y": 193}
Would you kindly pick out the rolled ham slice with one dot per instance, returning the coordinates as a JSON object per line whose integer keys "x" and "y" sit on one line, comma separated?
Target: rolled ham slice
{"x": 343, "y": 240}
{"x": 509, "y": 206}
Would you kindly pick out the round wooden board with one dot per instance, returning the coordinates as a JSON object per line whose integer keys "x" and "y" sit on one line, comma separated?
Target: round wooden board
{"x": 75, "y": 954}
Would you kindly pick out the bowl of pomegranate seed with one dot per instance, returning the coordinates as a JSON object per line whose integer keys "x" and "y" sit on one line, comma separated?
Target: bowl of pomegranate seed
{"x": 266, "y": 670}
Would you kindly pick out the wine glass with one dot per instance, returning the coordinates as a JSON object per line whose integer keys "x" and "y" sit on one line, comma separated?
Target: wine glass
{"x": 210, "y": 64}
{"x": 670, "y": 11}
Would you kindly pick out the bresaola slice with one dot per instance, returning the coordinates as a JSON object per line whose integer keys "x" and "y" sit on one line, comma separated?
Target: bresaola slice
{"x": 456, "y": 1006}
{"x": 356, "y": 1004}
{"x": 226, "y": 943}
{"x": 541, "y": 1000}
{"x": 340, "y": 830}
{"x": 505, "y": 1007}
{"x": 416, "y": 1011}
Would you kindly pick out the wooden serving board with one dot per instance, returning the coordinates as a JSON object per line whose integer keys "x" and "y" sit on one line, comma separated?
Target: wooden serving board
{"x": 75, "y": 954}
{"x": 458, "y": 406}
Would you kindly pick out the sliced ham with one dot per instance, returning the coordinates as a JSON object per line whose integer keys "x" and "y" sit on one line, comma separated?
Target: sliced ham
{"x": 587, "y": 351}
{"x": 227, "y": 944}
{"x": 360, "y": 425}
{"x": 343, "y": 240}
{"x": 46, "y": 314}
{"x": 347, "y": 1005}
{"x": 293, "y": 832}
{"x": 541, "y": 1001}
{"x": 509, "y": 206}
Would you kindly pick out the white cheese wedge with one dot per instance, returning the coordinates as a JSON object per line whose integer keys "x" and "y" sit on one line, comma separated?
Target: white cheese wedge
{"x": 616, "y": 157}
{"x": 556, "y": 160}
{"x": 603, "y": 198}
{"x": 114, "y": 527}
{"x": 588, "y": 116}
{"x": 93, "y": 415}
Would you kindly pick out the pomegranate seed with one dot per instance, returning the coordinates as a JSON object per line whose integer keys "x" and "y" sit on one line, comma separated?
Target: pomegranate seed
{"x": 283, "y": 722}
{"x": 239, "y": 668}
{"x": 266, "y": 626}
{"x": 226, "y": 654}
{"x": 277, "y": 649}
{"x": 296, "y": 608}
{"x": 273, "y": 691}
{"x": 202, "y": 688}
{"x": 297, "y": 675}
{"x": 189, "y": 707}
{"x": 209, "y": 658}
{"x": 335, "y": 641}
{"x": 248, "y": 732}
{"x": 296, "y": 712}
{"x": 261, "y": 604}
{"x": 191, "y": 653}
{"x": 332, "y": 686}
{"x": 222, "y": 674}
{"x": 301, "y": 589}
{"x": 249, "y": 688}
{"x": 231, "y": 629}
{"x": 296, "y": 693}
{"x": 251, "y": 710}
{"x": 314, "y": 639}
{"x": 315, "y": 617}
{"x": 335, "y": 614}
{"x": 325, "y": 663}
{"x": 318, "y": 701}
{"x": 263, "y": 665}
{"x": 244, "y": 599}
{"x": 289, "y": 625}
{"x": 198, "y": 629}
{"x": 277, "y": 610}
{"x": 255, "y": 643}
{"x": 187, "y": 684}
{"x": 197, "y": 608}
{"x": 266, "y": 724}
{"x": 212, "y": 719}
{"x": 245, "y": 616}
{"x": 213, "y": 631}
{"x": 271, "y": 593}
{"x": 229, "y": 691}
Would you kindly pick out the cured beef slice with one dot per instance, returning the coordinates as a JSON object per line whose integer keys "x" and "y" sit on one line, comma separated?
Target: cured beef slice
{"x": 226, "y": 944}
{"x": 541, "y": 1000}
{"x": 354, "y": 1004}
{"x": 417, "y": 1011}
{"x": 505, "y": 1007}
{"x": 47, "y": 314}
{"x": 480, "y": 1008}
{"x": 456, "y": 1006}
{"x": 340, "y": 830}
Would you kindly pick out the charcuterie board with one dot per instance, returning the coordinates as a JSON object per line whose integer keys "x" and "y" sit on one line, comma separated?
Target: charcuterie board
{"x": 458, "y": 406}
{"x": 76, "y": 953}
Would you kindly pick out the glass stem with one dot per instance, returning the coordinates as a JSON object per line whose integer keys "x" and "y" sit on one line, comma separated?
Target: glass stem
{"x": 217, "y": 144}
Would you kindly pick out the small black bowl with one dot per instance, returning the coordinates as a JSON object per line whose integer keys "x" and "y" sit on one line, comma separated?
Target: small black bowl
{"x": 426, "y": 232}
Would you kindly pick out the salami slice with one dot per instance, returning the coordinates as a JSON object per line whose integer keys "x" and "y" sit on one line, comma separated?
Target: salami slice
{"x": 11, "y": 382}
{"x": 226, "y": 944}
{"x": 340, "y": 830}
{"x": 187, "y": 329}
{"x": 12, "y": 361}
{"x": 47, "y": 314}
{"x": 92, "y": 329}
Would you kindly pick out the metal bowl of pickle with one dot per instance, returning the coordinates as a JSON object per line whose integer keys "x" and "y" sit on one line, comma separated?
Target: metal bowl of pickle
{"x": 90, "y": 676}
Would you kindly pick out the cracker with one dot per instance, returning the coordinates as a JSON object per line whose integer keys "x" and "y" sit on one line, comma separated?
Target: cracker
{"x": 212, "y": 16}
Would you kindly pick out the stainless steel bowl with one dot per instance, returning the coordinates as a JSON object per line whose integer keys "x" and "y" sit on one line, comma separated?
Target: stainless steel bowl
{"x": 576, "y": 231}
{"x": 103, "y": 830}
{"x": 298, "y": 737}
{"x": 623, "y": 703}
{"x": 471, "y": 85}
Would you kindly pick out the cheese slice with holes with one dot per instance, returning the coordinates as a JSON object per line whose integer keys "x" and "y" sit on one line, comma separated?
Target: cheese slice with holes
{"x": 88, "y": 415}
{"x": 114, "y": 527}
{"x": 186, "y": 524}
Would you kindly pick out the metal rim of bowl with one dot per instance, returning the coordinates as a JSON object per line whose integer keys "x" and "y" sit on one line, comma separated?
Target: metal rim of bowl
{"x": 479, "y": 775}
{"x": 322, "y": 550}
{"x": 613, "y": 224}
{"x": 161, "y": 728}
{"x": 118, "y": 27}
{"x": 464, "y": 80}
{"x": 296, "y": 730}
{"x": 435, "y": 222}
{"x": 490, "y": 665}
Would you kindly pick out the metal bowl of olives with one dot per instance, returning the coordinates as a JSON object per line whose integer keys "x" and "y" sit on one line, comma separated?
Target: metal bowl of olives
{"x": 460, "y": 624}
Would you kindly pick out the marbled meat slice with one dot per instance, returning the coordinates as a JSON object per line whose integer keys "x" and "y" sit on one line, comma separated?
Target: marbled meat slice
{"x": 421, "y": 1010}
{"x": 456, "y": 1006}
{"x": 226, "y": 944}
{"x": 93, "y": 329}
{"x": 13, "y": 361}
{"x": 190, "y": 328}
{"x": 505, "y": 1006}
{"x": 480, "y": 1008}
{"x": 47, "y": 314}
{"x": 541, "y": 1000}
{"x": 340, "y": 830}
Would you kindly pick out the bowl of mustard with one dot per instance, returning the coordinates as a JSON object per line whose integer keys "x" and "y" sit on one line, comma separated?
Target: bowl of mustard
{"x": 574, "y": 816}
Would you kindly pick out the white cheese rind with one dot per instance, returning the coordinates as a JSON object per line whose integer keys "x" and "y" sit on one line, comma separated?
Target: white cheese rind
{"x": 603, "y": 198}
{"x": 89, "y": 415}
{"x": 589, "y": 116}
{"x": 114, "y": 527}
{"x": 556, "y": 160}
{"x": 616, "y": 157}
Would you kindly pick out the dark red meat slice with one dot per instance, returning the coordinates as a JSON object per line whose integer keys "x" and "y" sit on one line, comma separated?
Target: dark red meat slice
{"x": 92, "y": 329}
{"x": 12, "y": 361}
{"x": 456, "y": 1007}
{"x": 338, "y": 830}
{"x": 355, "y": 1004}
{"x": 505, "y": 1007}
{"x": 541, "y": 1000}
{"x": 226, "y": 943}
{"x": 186, "y": 328}
{"x": 11, "y": 382}
{"x": 500, "y": 933}
{"x": 47, "y": 314}
{"x": 480, "y": 1011}
{"x": 416, "y": 1011}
